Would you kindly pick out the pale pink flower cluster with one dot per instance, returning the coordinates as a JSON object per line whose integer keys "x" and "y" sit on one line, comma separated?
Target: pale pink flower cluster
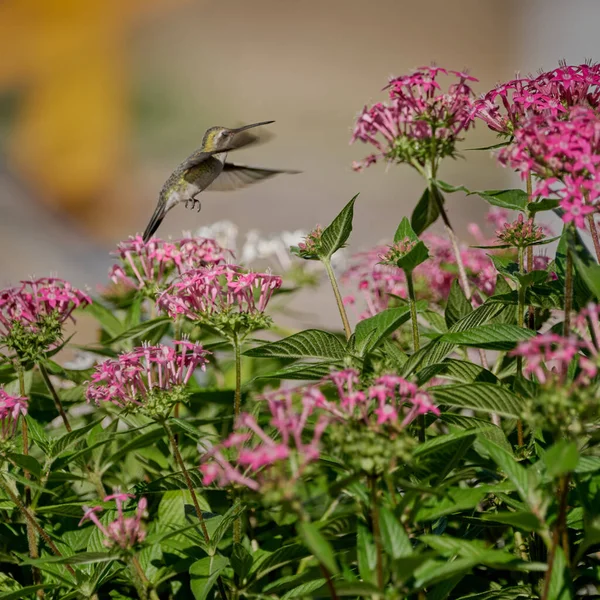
{"x": 391, "y": 399}
{"x": 520, "y": 233}
{"x": 564, "y": 155}
{"x": 255, "y": 461}
{"x": 379, "y": 283}
{"x": 549, "y": 355}
{"x": 35, "y": 300}
{"x": 11, "y": 408}
{"x": 219, "y": 289}
{"x": 151, "y": 263}
{"x": 548, "y": 95}
{"x": 124, "y": 532}
{"x": 127, "y": 380}
{"x": 420, "y": 122}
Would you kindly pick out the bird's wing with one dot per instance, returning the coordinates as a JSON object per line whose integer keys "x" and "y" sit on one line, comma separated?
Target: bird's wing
{"x": 233, "y": 177}
{"x": 240, "y": 140}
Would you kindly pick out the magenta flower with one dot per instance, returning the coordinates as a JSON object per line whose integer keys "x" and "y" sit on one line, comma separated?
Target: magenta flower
{"x": 548, "y": 357}
{"x": 134, "y": 377}
{"x": 391, "y": 399}
{"x": 214, "y": 295}
{"x": 564, "y": 155}
{"x": 36, "y": 300}
{"x": 549, "y": 95}
{"x": 420, "y": 124}
{"x": 147, "y": 265}
{"x": 11, "y": 408}
{"x": 123, "y": 533}
{"x": 276, "y": 460}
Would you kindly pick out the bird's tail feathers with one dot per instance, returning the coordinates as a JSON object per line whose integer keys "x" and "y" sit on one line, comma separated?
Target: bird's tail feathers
{"x": 155, "y": 221}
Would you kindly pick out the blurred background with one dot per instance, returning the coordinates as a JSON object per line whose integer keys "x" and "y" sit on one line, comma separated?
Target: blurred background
{"x": 101, "y": 99}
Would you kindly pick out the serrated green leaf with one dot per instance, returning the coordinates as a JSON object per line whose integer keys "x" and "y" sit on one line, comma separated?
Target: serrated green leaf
{"x": 370, "y": 332}
{"x": 561, "y": 581}
{"x": 65, "y": 442}
{"x": 305, "y": 590}
{"x": 241, "y": 561}
{"x": 542, "y": 205}
{"x": 393, "y": 535}
{"x": 28, "y": 591}
{"x": 27, "y": 463}
{"x": 105, "y": 317}
{"x": 140, "y": 330}
{"x": 204, "y": 574}
{"x": 412, "y": 259}
{"x": 484, "y": 397}
{"x": 311, "y": 343}
{"x": 313, "y": 539}
{"x": 457, "y": 306}
{"x": 524, "y": 520}
{"x": 404, "y": 231}
{"x": 461, "y": 371}
{"x": 511, "y": 199}
{"x": 427, "y": 210}
{"x": 337, "y": 233}
{"x": 366, "y": 553}
{"x": 561, "y": 458}
{"x": 495, "y": 336}
{"x": 301, "y": 371}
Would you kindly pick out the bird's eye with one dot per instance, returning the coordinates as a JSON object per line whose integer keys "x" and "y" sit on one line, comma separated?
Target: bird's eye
{"x": 225, "y": 134}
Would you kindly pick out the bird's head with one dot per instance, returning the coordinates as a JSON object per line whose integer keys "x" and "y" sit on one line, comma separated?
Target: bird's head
{"x": 223, "y": 139}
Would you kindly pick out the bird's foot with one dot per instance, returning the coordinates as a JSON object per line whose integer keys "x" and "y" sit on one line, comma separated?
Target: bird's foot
{"x": 193, "y": 202}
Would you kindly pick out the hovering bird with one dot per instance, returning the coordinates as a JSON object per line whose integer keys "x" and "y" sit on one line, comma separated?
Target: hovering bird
{"x": 207, "y": 169}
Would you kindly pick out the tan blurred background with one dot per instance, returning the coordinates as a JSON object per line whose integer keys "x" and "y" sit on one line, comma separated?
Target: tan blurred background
{"x": 100, "y": 99}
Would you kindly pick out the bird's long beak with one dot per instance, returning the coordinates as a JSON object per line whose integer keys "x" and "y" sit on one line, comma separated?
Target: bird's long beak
{"x": 240, "y": 129}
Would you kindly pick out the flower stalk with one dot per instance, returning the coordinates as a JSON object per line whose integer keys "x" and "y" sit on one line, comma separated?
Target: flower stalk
{"x": 55, "y": 396}
{"x": 338, "y": 296}
{"x": 372, "y": 481}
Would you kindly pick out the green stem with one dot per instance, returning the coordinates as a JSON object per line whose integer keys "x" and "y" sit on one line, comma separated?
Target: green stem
{"x": 237, "y": 524}
{"x": 568, "y": 293}
{"x": 520, "y": 323}
{"x": 139, "y": 578}
{"x": 190, "y": 487}
{"x": 338, "y": 297}
{"x": 55, "y": 396}
{"x": 33, "y": 521}
{"x": 531, "y": 319}
{"x": 559, "y": 529}
{"x": 412, "y": 303}
{"x": 376, "y": 530}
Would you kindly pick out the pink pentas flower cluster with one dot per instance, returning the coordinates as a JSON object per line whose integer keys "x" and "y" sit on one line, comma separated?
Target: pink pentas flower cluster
{"x": 390, "y": 399}
{"x": 35, "y": 300}
{"x": 420, "y": 123}
{"x": 378, "y": 283}
{"x": 11, "y": 408}
{"x": 520, "y": 233}
{"x": 263, "y": 461}
{"x": 549, "y": 95}
{"x": 145, "y": 265}
{"x": 124, "y": 533}
{"x": 130, "y": 380}
{"x": 548, "y": 357}
{"x": 564, "y": 156}
{"x": 218, "y": 290}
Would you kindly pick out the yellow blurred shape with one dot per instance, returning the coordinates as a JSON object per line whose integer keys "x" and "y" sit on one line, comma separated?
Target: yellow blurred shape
{"x": 69, "y": 60}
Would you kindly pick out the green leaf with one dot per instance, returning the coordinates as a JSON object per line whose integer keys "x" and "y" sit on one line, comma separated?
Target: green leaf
{"x": 336, "y": 235}
{"x": 241, "y": 561}
{"x": 393, "y": 535}
{"x": 560, "y": 582}
{"x": 412, "y": 259}
{"x": 318, "y": 545}
{"x": 561, "y": 458}
{"x": 71, "y": 438}
{"x": 427, "y": 210}
{"x": 458, "y": 306}
{"x": 447, "y": 187}
{"x": 301, "y": 371}
{"x": 27, "y": 463}
{"x": 370, "y": 332}
{"x": 510, "y": 199}
{"x": 524, "y": 520}
{"x": 513, "y": 470}
{"x": 310, "y": 343}
{"x": 224, "y": 524}
{"x": 204, "y": 574}
{"x": 591, "y": 275}
{"x": 405, "y": 231}
{"x": 28, "y": 591}
{"x": 39, "y": 435}
{"x": 140, "y": 330}
{"x": 105, "y": 317}
{"x": 495, "y": 336}
{"x": 366, "y": 553}
{"x": 484, "y": 397}
{"x": 461, "y": 371}
{"x": 542, "y": 205}
{"x": 81, "y": 558}
{"x": 304, "y": 590}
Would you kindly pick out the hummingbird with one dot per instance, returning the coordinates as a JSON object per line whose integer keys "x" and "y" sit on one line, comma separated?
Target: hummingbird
{"x": 208, "y": 169}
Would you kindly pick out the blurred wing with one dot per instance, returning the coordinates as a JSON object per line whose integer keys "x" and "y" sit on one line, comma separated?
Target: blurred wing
{"x": 234, "y": 177}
